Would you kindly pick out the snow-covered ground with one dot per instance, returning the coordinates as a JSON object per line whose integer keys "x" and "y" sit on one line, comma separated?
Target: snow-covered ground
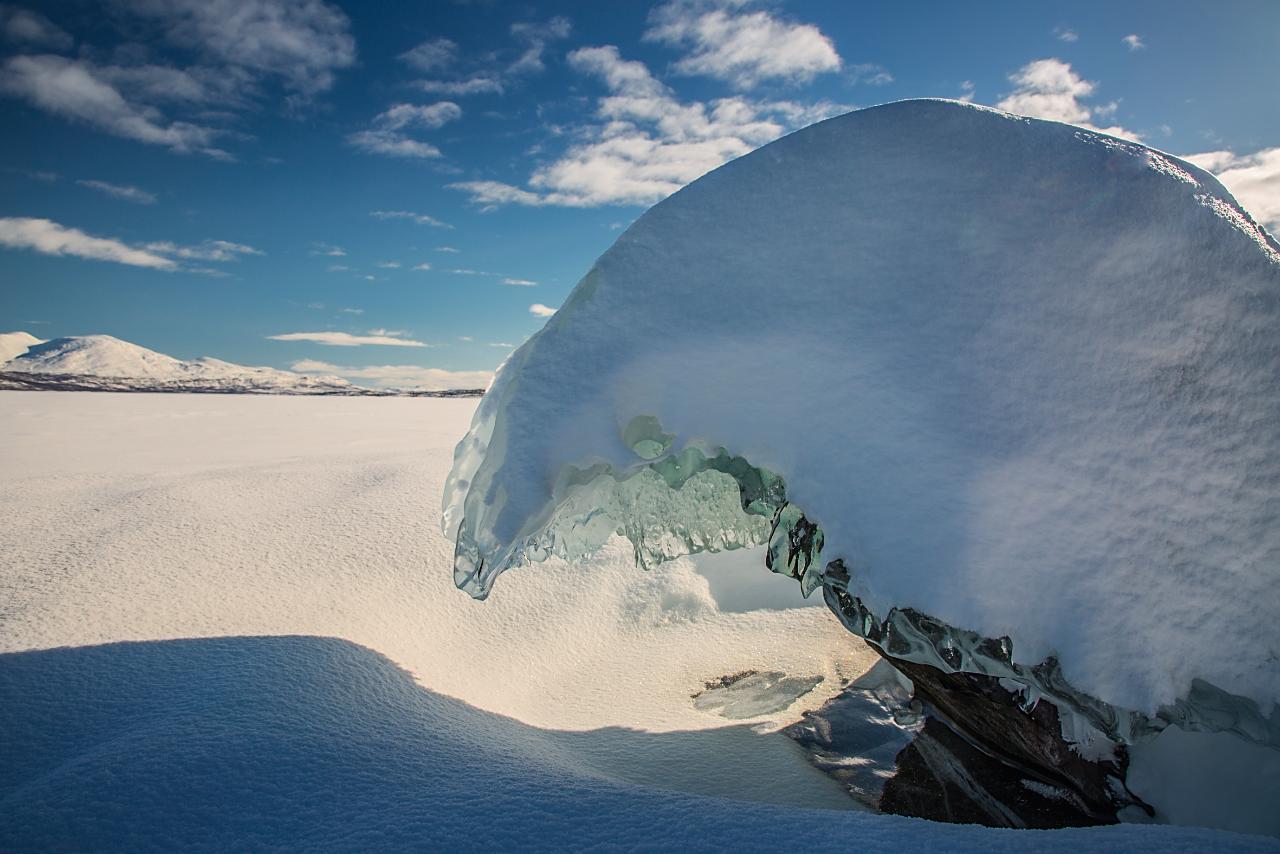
{"x": 229, "y": 622}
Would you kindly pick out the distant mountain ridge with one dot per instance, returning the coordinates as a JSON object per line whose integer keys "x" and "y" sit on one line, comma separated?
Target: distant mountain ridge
{"x": 106, "y": 363}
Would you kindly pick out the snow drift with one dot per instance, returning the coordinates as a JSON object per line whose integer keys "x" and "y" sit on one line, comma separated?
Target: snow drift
{"x": 1011, "y": 374}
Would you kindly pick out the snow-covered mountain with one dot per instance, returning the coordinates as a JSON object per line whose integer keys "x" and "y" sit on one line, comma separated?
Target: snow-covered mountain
{"x": 13, "y": 344}
{"x": 105, "y": 363}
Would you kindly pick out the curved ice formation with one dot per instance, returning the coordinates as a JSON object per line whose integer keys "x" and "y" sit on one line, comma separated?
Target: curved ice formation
{"x": 1022, "y": 378}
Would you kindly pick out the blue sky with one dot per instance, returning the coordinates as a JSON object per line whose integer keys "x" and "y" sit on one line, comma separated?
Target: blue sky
{"x": 400, "y": 191}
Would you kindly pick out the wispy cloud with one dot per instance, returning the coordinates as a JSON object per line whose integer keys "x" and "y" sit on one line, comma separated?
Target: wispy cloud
{"x": 648, "y": 143}
{"x": 1133, "y": 42}
{"x": 51, "y": 238}
{"x": 424, "y": 266}
{"x": 540, "y": 310}
{"x": 351, "y": 310}
{"x": 416, "y": 218}
{"x": 457, "y": 74}
{"x": 120, "y": 191}
{"x": 389, "y": 133}
{"x": 31, "y": 29}
{"x": 209, "y": 250}
{"x": 528, "y": 283}
{"x": 233, "y": 49}
{"x": 346, "y": 339}
{"x": 398, "y": 376}
{"x": 388, "y": 265}
{"x": 1051, "y": 89}
{"x": 446, "y": 249}
{"x": 1254, "y": 179}
{"x": 1066, "y": 34}
{"x": 431, "y": 55}
{"x": 318, "y": 248}
{"x": 744, "y": 48}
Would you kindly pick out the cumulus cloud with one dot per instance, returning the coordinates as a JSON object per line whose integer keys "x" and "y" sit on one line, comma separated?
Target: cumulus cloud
{"x": 648, "y": 144}
{"x": 120, "y": 191}
{"x": 51, "y": 238}
{"x": 744, "y": 48}
{"x": 1051, "y": 89}
{"x": 416, "y": 218}
{"x": 540, "y": 310}
{"x": 1254, "y": 179}
{"x": 399, "y": 376}
{"x": 385, "y": 338}
{"x": 389, "y": 133}
{"x": 31, "y": 29}
{"x": 1133, "y": 42}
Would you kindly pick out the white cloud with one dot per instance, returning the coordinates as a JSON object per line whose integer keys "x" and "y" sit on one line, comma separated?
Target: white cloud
{"x": 391, "y": 144}
{"x": 495, "y": 70}
{"x": 449, "y": 249}
{"x": 1066, "y": 34}
{"x": 540, "y": 310}
{"x": 209, "y": 250}
{"x": 465, "y": 338}
{"x": 416, "y": 218}
{"x": 351, "y": 310}
{"x": 82, "y": 92}
{"x": 318, "y": 248}
{"x": 399, "y": 376}
{"x": 528, "y": 283}
{"x": 744, "y": 48}
{"x": 870, "y": 73}
{"x": 1051, "y": 89}
{"x": 235, "y": 48}
{"x": 477, "y": 84}
{"x": 50, "y": 238}
{"x": 535, "y": 37}
{"x": 431, "y": 54}
{"x": 120, "y": 191}
{"x": 300, "y": 42}
{"x": 24, "y": 27}
{"x": 389, "y": 133}
{"x": 967, "y": 90}
{"x": 1134, "y": 42}
{"x": 345, "y": 339}
{"x": 503, "y": 344}
{"x": 338, "y": 268}
{"x": 648, "y": 143}
{"x": 422, "y": 267}
{"x": 388, "y": 265}
{"x": 1254, "y": 179}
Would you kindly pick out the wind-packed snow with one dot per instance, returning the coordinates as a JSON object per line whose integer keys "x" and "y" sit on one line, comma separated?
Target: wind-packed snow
{"x": 103, "y": 356}
{"x": 226, "y": 623}
{"x": 1024, "y": 376}
{"x": 13, "y": 344}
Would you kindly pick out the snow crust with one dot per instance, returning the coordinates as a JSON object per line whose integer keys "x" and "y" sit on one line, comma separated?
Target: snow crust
{"x": 226, "y": 624}
{"x": 1024, "y": 376}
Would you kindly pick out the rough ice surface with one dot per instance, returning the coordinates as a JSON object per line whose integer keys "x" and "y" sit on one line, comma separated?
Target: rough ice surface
{"x": 1022, "y": 376}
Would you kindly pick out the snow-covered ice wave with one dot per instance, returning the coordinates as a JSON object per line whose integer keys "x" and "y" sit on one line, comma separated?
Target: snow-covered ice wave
{"x": 1007, "y": 389}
